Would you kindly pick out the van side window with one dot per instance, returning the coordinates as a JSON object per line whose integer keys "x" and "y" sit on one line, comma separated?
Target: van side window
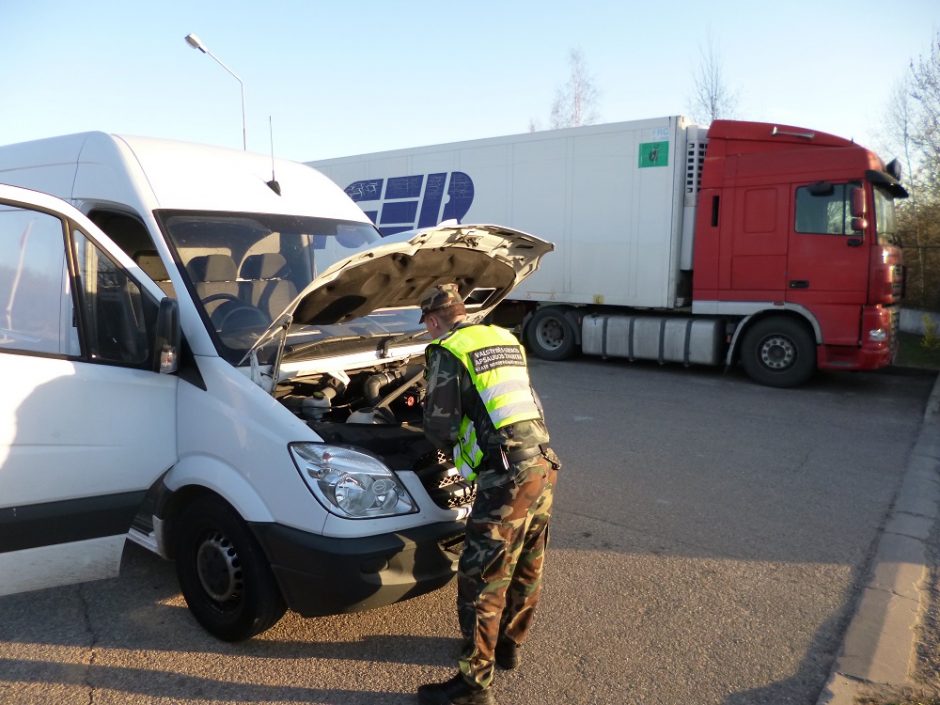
{"x": 824, "y": 211}
{"x": 131, "y": 235}
{"x": 36, "y": 308}
{"x": 114, "y": 311}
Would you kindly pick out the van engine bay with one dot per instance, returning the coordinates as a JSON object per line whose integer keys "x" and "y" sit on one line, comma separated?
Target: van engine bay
{"x": 380, "y": 410}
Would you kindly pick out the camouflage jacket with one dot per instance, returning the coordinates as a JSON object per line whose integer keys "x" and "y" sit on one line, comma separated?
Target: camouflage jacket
{"x": 450, "y": 396}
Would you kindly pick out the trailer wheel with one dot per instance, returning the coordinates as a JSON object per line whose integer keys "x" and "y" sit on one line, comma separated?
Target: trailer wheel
{"x": 224, "y": 574}
{"x": 778, "y": 352}
{"x": 550, "y": 334}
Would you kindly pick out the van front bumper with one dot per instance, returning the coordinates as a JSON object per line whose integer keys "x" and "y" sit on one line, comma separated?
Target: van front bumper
{"x": 321, "y": 575}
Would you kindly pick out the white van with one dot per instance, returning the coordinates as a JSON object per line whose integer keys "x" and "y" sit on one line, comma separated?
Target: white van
{"x": 189, "y": 382}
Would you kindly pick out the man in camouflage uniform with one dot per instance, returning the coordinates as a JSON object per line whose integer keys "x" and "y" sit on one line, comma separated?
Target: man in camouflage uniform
{"x": 480, "y": 404}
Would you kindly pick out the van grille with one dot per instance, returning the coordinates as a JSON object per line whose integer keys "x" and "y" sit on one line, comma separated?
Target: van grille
{"x": 444, "y": 485}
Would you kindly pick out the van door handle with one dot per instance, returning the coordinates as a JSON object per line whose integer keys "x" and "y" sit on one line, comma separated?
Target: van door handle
{"x": 799, "y": 283}
{"x": 854, "y": 242}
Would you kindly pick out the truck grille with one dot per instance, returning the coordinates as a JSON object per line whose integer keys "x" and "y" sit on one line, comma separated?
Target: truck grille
{"x": 444, "y": 485}
{"x": 895, "y": 325}
{"x": 897, "y": 281}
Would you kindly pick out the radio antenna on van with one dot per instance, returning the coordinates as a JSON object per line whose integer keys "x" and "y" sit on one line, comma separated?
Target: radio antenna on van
{"x": 273, "y": 184}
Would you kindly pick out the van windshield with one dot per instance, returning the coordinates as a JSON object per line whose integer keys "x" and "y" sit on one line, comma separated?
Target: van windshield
{"x": 243, "y": 269}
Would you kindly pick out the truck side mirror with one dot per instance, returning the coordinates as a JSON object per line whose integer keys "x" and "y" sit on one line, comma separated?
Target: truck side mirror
{"x": 857, "y": 196}
{"x": 166, "y": 340}
{"x": 859, "y": 224}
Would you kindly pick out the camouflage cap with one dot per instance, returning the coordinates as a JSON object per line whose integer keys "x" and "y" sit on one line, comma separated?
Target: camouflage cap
{"x": 438, "y": 297}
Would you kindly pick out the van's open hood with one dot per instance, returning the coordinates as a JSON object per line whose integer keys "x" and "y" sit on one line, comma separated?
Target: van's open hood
{"x": 486, "y": 262}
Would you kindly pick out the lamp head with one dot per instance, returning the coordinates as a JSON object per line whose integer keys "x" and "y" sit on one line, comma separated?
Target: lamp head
{"x": 195, "y": 42}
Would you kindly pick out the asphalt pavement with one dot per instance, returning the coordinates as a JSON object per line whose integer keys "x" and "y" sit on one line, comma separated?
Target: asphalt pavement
{"x": 710, "y": 546}
{"x": 880, "y": 644}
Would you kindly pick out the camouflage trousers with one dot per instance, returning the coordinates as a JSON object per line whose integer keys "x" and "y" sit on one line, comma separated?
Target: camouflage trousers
{"x": 499, "y": 578}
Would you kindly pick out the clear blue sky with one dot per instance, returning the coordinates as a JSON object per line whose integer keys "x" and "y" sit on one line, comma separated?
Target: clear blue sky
{"x": 341, "y": 78}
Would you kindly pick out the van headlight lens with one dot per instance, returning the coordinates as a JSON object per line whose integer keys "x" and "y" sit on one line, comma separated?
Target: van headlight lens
{"x": 351, "y": 483}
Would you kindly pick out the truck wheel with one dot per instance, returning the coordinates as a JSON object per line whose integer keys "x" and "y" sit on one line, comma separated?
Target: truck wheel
{"x": 224, "y": 574}
{"x": 550, "y": 335}
{"x": 778, "y": 352}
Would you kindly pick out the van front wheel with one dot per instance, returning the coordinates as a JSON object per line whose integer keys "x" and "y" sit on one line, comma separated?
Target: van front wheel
{"x": 224, "y": 574}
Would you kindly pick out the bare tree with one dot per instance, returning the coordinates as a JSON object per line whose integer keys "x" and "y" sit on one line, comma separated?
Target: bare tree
{"x": 899, "y": 122}
{"x": 925, "y": 130}
{"x": 712, "y": 98}
{"x": 576, "y": 102}
{"x": 913, "y": 128}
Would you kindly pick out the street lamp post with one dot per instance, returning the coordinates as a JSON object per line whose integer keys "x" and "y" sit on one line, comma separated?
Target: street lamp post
{"x": 196, "y": 43}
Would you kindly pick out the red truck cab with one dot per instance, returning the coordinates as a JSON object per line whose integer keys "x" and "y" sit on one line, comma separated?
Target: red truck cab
{"x": 795, "y": 233}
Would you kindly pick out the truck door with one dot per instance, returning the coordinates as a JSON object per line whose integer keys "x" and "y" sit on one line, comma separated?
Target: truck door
{"x": 86, "y": 425}
{"x": 827, "y": 267}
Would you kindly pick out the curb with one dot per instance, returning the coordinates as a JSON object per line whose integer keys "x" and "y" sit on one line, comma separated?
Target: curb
{"x": 879, "y": 647}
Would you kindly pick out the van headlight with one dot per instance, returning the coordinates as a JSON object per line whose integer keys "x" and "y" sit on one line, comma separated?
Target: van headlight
{"x": 351, "y": 483}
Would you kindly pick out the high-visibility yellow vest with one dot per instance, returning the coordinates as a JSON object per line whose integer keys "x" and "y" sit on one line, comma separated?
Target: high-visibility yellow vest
{"x": 495, "y": 361}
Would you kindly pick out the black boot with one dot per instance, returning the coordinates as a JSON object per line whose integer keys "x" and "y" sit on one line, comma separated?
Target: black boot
{"x": 456, "y": 691}
{"x": 507, "y": 654}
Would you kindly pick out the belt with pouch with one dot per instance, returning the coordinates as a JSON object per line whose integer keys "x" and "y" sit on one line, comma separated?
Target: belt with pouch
{"x": 517, "y": 456}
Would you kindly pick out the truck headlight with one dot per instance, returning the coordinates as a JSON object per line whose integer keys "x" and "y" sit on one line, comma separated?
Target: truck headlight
{"x": 878, "y": 335}
{"x": 350, "y": 483}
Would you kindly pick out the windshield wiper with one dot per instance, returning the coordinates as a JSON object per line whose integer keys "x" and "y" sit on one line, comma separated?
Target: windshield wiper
{"x": 382, "y": 348}
{"x": 300, "y": 348}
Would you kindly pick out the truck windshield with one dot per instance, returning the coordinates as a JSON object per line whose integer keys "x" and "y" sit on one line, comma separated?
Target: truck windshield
{"x": 243, "y": 269}
{"x": 884, "y": 218}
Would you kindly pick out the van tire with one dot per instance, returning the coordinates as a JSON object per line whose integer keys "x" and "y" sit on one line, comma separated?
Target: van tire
{"x": 223, "y": 573}
{"x": 550, "y": 334}
{"x": 779, "y": 352}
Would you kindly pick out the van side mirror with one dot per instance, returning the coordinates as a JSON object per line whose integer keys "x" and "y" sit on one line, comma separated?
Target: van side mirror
{"x": 859, "y": 224}
{"x": 166, "y": 342}
{"x": 857, "y": 197}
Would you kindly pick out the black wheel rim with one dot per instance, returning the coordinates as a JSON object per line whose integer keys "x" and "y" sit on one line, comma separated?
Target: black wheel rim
{"x": 219, "y": 569}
